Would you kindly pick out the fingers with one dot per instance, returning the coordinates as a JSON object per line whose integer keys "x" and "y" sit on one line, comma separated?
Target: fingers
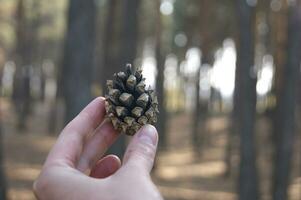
{"x": 70, "y": 142}
{"x": 141, "y": 152}
{"x": 96, "y": 146}
{"x": 106, "y": 167}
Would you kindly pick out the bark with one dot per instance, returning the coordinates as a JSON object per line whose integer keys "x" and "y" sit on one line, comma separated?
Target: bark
{"x": 161, "y": 124}
{"x": 196, "y": 117}
{"x": 110, "y": 66}
{"x": 115, "y": 60}
{"x": 200, "y": 112}
{"x": 3, "y": 185}
{"x": 78, "y": 56}
{"x": 22, "y": 52}
{"x": 248, "y": 183}
{"x": 286, "y": 108}
{"x": 21, "y": 91}
{"x": 280, "y": 40}
{"x": 130, "y": 31}
{"x": 129, "y": 37}
{"x": 2, "y": 174}
{"x": 279, "y": 43}
{"x": 234, "y": 125}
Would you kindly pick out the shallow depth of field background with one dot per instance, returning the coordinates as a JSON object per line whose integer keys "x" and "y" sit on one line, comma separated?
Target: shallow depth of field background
{"x": 226, "y": 74}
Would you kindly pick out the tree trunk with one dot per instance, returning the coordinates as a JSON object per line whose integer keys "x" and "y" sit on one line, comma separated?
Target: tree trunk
{"x": 232, "y": 135}
{"x": 78, "y": 56}
{"x": 129, "y": 32}
{"x": 161, "y": 124}
{"x": 115, "y": 60}
{"x": 248, "y": 183}
{"x": 280, "y": 41}
{"x": 2, "y": 168}
{"x": 110, "y": 66}
{"x": 286, "y": 108}
{"x": 200, "y": 113}
{"x": 127, "y": 52}
{"x": 2, "y": 174}
{"x": 23, "y": 53}
{"x": 196, "y": 117}
{"x": 279, "y": 48}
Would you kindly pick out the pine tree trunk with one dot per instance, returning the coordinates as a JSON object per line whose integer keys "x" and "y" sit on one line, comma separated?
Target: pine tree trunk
{"x": 2, "y": 171}
{"x": 130, "y": 31}
{"x": 200, "y": 112}
{"x": 248, "y": 183}
{"x": 78, "y": 56}
{"x": 2, "y": 174}
{"x": 113, "y": 61}
{"x": 129, "y": 37}
{"x": 279, "y": 43}
{"x": 286, "y": 108}
{"x": 233, "y": 132}
{"x": 109, "y": 61}
{"x": 128, "y": 46}
{"x": 196, "y": 117}
{"x": 21, "y": 91}
{"x": 161, "y": 124}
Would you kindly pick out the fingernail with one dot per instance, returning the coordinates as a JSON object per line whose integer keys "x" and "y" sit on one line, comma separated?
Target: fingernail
{"x": 148, "y": 135}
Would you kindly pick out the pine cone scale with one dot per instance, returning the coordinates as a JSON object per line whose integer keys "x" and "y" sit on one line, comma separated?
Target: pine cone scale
{"x": 129, "y": 105}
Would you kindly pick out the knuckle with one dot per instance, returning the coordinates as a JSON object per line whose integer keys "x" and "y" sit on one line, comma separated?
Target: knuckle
{"x": 143, "y": 151}
{"x": 69, "y": 128}
{"x": 39, "y": 186}
{"x": 73, "y": 125}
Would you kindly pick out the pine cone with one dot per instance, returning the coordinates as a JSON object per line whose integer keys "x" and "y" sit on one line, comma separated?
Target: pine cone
{"x": 129, "y": 105}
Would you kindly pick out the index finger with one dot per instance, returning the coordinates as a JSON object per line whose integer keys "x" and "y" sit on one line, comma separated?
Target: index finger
{"x": 70, "y": 142}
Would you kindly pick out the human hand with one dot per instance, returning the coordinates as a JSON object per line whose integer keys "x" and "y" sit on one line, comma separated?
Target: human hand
{"x": 75, "y": 169}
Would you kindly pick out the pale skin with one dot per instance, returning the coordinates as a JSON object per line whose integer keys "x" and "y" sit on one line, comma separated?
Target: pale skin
{"x": 76, "y": 169}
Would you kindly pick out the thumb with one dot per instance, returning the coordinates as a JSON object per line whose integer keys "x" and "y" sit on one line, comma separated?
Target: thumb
{"x": 141, "y": 151}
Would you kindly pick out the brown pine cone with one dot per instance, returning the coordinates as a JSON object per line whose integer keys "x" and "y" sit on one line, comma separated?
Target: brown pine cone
{"x": 129, "y": 105}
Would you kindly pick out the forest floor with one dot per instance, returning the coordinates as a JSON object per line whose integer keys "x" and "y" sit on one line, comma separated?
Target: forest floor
{"x": 180, "y": 174}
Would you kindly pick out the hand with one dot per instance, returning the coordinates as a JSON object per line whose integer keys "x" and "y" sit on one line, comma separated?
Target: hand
{"x": 75, "y": 168}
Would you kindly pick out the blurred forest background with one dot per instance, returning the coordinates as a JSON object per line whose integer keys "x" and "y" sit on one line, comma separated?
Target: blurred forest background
{"x": 226, "y": 73}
